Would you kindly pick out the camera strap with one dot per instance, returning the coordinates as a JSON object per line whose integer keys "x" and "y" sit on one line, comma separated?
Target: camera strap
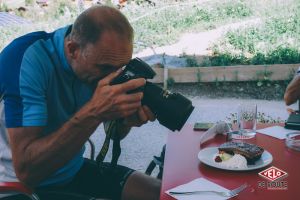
{"x": 111, "y": 130}
{"x": 116, "y": 152}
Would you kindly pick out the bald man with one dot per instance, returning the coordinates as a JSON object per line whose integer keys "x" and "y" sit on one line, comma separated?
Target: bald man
{"x": 56, "y": 91}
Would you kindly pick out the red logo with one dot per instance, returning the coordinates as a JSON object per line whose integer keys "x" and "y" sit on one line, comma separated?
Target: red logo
{"x": 273, "y": 174}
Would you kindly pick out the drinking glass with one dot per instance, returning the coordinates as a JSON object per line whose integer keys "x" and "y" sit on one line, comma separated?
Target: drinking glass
{"x": 247, "y": 117}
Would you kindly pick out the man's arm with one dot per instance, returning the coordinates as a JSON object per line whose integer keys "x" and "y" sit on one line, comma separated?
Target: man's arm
{"x": 292, "y": 93}
{"x": 35, "y": 157}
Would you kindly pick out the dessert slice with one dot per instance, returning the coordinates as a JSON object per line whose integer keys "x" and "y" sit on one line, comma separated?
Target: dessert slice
{"x": 251, "y": 152}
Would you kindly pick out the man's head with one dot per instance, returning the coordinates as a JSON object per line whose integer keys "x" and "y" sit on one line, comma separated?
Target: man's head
{"x": 100, "y": 42}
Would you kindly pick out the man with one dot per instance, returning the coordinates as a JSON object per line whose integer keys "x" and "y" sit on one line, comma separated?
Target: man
{"x": 56, "y": 91}
{"x": 292, "y": 92}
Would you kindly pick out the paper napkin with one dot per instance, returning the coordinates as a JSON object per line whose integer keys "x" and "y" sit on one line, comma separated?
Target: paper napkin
{"x": 276, "y": 131}
{"x": 198, "y": 184}
{"x": 219, "y": 128}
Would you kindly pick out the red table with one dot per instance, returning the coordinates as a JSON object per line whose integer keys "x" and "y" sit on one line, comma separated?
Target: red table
{"x": 182, "y": 166}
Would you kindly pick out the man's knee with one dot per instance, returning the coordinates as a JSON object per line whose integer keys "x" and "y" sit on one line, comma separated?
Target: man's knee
{"x": 141, "y": 186}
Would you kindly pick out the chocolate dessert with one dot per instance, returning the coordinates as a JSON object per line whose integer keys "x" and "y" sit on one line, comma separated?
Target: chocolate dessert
{"x": 251, "y": 152}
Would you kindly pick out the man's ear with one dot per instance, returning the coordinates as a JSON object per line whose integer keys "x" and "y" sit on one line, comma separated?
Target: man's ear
{"x": 72, "y": 49}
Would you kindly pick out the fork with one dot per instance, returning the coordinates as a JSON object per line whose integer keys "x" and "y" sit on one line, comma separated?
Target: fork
{"x": 230, "y": 193}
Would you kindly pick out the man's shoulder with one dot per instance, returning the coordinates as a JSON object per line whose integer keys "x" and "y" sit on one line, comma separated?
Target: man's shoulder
{"x": 47, "y": 49}
{"x": 12, "y": 55}
{"x": 20, "y": 44}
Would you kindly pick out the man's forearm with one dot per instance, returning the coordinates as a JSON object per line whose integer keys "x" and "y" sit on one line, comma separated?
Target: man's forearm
{"x": 44, "y": 155}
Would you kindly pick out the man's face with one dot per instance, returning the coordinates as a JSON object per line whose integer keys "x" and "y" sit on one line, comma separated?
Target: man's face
{"x": 107, "y": 55}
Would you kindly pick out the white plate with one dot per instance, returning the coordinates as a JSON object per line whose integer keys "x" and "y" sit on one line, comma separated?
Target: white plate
{"x": 207, "y": 156}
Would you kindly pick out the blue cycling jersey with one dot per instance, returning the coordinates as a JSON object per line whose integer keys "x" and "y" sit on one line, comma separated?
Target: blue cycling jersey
{"x": 39, "y": 88}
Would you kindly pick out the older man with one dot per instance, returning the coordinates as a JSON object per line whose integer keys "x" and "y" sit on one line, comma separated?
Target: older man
{"x": 56, "y": 91}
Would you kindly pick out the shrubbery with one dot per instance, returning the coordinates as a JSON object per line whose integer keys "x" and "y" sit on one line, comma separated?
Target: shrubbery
{"x": 274, "y": 40}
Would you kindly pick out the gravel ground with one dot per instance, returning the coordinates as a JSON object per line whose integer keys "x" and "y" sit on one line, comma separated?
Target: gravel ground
{"x": 142, "y": 143}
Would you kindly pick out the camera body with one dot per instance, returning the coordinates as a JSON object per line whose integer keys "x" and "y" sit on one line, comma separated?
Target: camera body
{"x": 136, "y": 68}
{"x": 171, "y": 109}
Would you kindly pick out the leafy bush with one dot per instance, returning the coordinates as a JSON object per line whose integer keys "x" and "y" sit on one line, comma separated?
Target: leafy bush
{"x": 170, "y": 81}
{"x": 236, "y": 9}
{"x": 29, "y": 2}
{"x": 163, "y": 24}
{"x": 283, "y": 55}
{"x": 191, "y": 61}
{"x": 278, "y": 56}
{"x": 275, "y": 41}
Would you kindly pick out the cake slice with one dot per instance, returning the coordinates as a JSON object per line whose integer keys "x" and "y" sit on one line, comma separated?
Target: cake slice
{"x": 251, "y": 152}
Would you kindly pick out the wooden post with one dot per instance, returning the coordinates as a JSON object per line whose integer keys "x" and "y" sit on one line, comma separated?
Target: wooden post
{"x": 166, "y": 74}
{"x": 165, "y": 77}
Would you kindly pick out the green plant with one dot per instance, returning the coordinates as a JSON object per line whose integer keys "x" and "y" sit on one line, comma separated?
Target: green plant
{"x": 237, "y": 9}
{"x": 191, "y": 61}
{"x": 205, "y": 62}
{"x": 264, "y": 77}
{"x": 261, "y": 118}
{"x": 61, "y": 9}
{"x": 273, "y": 41}
{"x": 283, "y": 55}
{"x": 29, "y": 2}
{"x": 247, "y": 115}
{"x": 139, "y": 2}
{"x": 3, "y": 7}
{"x": 170, "y": 81}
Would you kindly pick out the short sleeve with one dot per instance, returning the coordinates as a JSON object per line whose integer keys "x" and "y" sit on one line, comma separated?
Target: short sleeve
{"x": 33, "y": 82}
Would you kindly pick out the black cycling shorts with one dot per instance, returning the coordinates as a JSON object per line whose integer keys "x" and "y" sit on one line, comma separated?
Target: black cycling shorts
{"x": 89, "y": 183}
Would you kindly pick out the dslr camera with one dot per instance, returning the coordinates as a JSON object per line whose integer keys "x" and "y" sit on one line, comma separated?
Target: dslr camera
{"x": 171, "y": 109}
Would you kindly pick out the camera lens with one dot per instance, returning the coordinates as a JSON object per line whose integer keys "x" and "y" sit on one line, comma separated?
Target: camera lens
{"x": 171, "y": 109}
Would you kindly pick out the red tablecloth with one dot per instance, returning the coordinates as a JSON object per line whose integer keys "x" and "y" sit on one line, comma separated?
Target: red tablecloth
{"x": 182, "y": 165}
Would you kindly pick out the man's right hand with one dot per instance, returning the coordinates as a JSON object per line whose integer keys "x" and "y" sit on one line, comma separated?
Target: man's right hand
{"x": 292, "y": 92}
{"x": 111, "y": 102}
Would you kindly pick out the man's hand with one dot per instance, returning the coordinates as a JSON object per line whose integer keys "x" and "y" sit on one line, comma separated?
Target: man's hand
{"x": 111, "y": 102}
{"x": 142, "y": 116}
{"x": 292, "y": 93}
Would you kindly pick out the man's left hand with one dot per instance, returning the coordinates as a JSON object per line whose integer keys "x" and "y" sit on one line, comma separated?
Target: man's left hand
{"x": 142, "y": 116}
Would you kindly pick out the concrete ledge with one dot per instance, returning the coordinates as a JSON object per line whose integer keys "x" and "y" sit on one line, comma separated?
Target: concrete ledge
{"x": 227, "y": 73}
